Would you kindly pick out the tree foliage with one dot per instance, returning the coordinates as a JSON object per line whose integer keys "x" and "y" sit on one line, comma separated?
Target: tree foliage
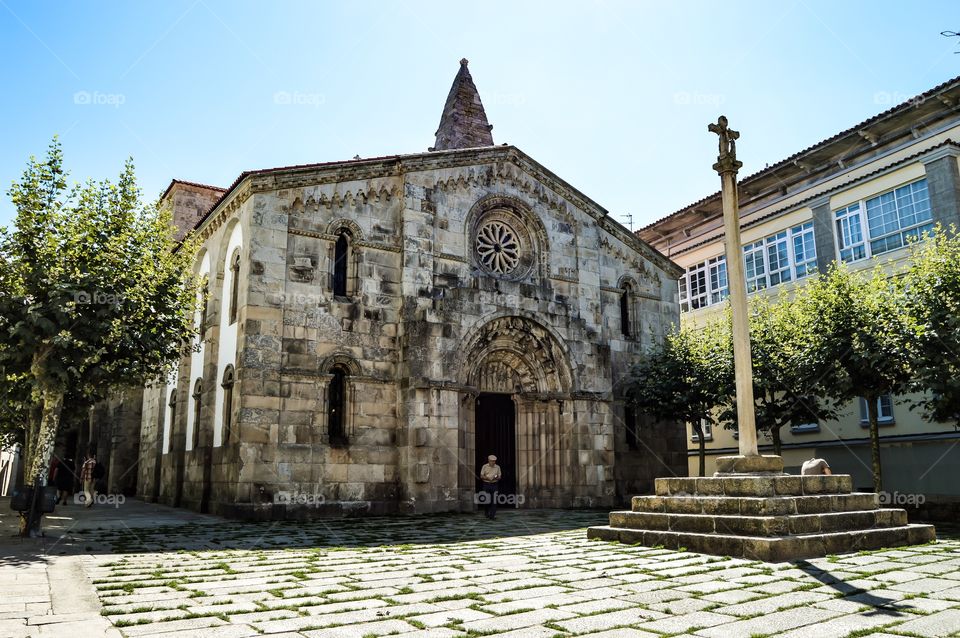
{"x": 932, "y": 293}
{"x": 92, "y": 297}
{"x": 865, "y": 335}
{"x": 684, "y": 379}
{"x": 788, "y": 363}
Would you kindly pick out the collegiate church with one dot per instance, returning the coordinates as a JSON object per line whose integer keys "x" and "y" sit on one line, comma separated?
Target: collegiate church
{"x": 372, "y": 329}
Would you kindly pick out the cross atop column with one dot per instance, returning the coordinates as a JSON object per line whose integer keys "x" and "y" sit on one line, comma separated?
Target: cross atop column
{"x": 727, "y": 159}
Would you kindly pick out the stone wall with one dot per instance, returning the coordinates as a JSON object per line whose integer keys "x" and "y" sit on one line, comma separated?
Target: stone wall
{"x": 424, "y": 327}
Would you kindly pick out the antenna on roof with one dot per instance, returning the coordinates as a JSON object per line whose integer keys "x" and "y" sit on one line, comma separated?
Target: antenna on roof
{"x": 950, "y": 34}
{"x": 629, "y": 221}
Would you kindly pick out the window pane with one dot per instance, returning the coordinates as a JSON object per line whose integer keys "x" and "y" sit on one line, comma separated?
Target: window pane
{"x": 893, "y": 217}
{"x": 718, "y": 279}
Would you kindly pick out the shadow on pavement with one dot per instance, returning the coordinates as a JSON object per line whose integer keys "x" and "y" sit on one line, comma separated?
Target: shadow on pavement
{"x": 137, "y": 526}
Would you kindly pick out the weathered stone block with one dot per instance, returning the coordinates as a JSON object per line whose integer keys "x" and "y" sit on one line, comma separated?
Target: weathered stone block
{"x": 749, "y": 464}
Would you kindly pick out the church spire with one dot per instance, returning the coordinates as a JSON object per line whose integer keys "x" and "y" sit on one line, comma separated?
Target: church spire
{"x": 464, "y": 122}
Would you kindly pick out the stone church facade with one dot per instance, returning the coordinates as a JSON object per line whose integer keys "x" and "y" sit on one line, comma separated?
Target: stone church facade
{"x": 374, "y": 328}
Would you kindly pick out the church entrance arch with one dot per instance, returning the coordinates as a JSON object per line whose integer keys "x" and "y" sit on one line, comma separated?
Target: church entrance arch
{"x": 516, "y": 379}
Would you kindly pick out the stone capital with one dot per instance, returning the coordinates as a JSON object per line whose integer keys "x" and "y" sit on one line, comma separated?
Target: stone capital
{"x": 727, "y": 165}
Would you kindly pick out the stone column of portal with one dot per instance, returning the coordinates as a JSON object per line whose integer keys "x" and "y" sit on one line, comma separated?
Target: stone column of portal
{"x": 727, "y": 166}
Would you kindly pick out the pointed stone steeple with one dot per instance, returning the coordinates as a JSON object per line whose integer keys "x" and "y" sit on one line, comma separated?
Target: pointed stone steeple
{"x": 464, "y": 122}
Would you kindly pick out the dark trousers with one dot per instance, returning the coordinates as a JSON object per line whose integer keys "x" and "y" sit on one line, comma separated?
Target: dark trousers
{"x": 490, "y": 489}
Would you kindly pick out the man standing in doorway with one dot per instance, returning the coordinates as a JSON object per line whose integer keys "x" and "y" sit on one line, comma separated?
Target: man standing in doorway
{"x": 87, "y": 478}
{"x": 490, "y": 475}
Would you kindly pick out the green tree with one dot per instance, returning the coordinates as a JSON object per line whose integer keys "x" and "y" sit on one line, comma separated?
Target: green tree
{"x": 932, "y": 288}
{"x": 865, "y": 337}
{"x": 788, "y": 362}
{"x": 92, "y": 297}
{"x": 684, "y": 379}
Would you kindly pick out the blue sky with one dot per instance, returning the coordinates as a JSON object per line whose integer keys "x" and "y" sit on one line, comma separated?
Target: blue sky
{"x": 614, "y": 97}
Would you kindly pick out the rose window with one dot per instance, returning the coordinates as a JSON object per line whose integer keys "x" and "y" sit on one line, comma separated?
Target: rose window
{"x": 498, "y": 247}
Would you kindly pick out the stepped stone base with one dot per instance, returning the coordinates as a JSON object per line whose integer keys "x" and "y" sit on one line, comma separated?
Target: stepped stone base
{"x": 766, "y": 516}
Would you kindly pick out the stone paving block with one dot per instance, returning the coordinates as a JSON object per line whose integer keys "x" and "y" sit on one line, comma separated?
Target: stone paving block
{"x": 925, "y": 585}
{"x": 686, "y": 622}
{"x": 774, "y": 623}
{"x": 776, "y": 587}
{"x": 439, "y": 618}
{"x": 262, "y": 616}
{"x": 947, "y": 594}
{"x": 527, "y": 632}
{"x": 609, "y": 620}
{"x": 732, "y": 596}
{"x": 16, "y": 629}
{"x": 498, "y": 595}
{"x": 597, "y": 606}
{"x": 189, "y": 625}
{"x": 359, "y": 630}
{"x": 709, "y": 587}
{"x": 772, "y": 604}
{"x": 942, "y": 623}
{"x": 622, "y": 632}
{"x": 220, "y": 631}
{"x": 515, "y": 621}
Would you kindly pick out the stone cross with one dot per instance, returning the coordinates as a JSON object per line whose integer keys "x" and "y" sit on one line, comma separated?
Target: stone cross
{"x": 728, "y": 139}
{"x": 727, "y": 166}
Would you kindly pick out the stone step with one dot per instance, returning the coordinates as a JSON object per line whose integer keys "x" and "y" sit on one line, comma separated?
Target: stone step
{"x": 784, "y": 485}
{"x": 760, "y": 525}
{"x": 771, "y": 548}
{"x": 755, "y": 506}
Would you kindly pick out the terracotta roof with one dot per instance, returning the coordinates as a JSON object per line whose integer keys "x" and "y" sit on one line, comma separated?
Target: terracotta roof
{"x": 911, "y": 103}
{"x": 819, "y": 194}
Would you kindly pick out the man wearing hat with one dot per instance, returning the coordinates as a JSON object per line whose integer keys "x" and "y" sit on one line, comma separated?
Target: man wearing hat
{"x": 490, "y": 475}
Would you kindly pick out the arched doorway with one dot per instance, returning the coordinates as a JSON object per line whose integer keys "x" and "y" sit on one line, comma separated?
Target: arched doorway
{"x": 516, "y": 378}
{"x": 496, "y": 433}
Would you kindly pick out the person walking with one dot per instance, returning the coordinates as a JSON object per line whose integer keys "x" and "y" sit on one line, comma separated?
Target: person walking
{"x": 490, "y": 474}
{"x": 87, "y": 478}
{"x": 63, "y": 480}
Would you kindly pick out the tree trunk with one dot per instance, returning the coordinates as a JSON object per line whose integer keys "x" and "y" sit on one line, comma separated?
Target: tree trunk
{"x": 702, "y": 451}
{"x": 42, "y": 451}
{"x": 775, "y": 434}
{"x": 875, "y": 443}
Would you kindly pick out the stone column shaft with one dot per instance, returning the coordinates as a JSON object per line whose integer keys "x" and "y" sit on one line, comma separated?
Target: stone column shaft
{"x": 741, "y": 318}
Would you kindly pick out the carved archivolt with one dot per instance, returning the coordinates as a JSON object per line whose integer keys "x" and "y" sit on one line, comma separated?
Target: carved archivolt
{"x": 351, "y": 226}
{"x": 516, "y": 354}
{"x": 345, "y": 361}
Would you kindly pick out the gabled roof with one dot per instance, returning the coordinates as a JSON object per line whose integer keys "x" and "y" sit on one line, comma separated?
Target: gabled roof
{"x": 175, "y": 182}
{"x": 463, "y": 123}
{"x": 399, "y": 164}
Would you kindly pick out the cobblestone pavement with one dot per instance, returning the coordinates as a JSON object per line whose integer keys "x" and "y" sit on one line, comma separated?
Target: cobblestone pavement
{"x": 528, "y": 573}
